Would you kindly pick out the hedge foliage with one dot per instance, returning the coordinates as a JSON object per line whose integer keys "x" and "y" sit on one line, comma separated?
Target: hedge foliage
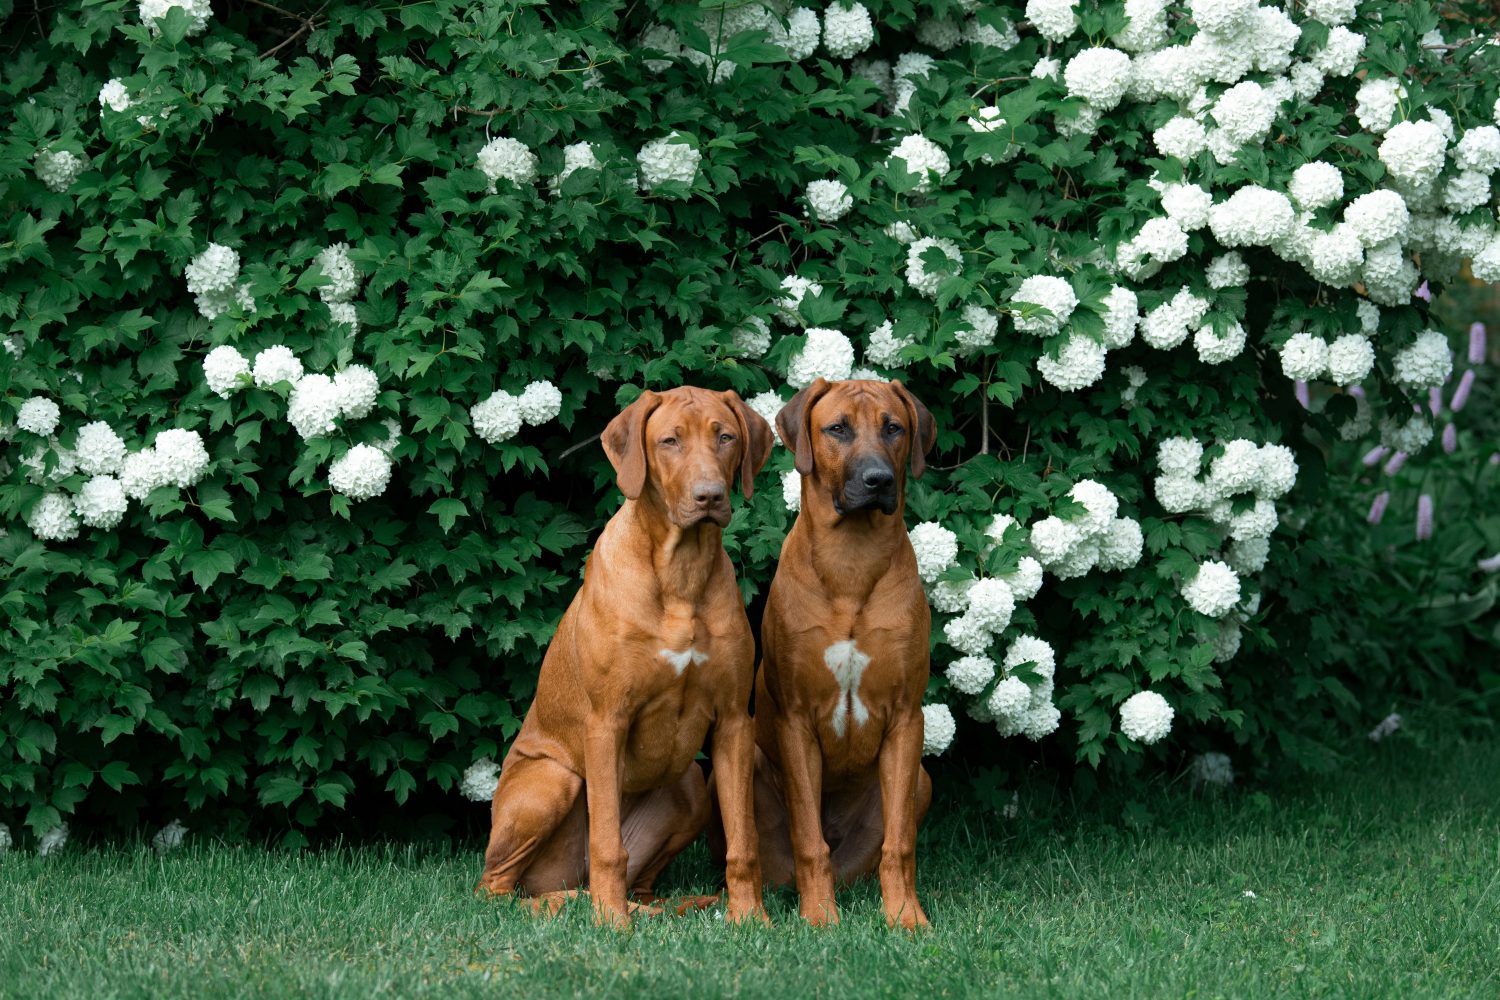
{"x": 258, "y": 641}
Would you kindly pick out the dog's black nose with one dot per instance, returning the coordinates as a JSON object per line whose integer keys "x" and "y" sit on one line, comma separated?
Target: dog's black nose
{"x": 708, "y": 493}
{"x": 877, "y": 478}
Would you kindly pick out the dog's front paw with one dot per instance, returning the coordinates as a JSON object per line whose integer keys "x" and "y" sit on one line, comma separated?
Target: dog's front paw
{"x": 614, "y": 916}
{"x": 908, "y": 916}
{"x": 820, "y": 913}
{"x": 740, "y": 913}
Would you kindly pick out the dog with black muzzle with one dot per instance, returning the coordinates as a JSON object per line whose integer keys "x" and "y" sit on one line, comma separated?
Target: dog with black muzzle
{"x": 839, "y": 785}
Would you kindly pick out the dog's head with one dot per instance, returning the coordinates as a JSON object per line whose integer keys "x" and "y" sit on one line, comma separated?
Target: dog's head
{"x": 682, "y": 449}
{"x": 857, "y": 438}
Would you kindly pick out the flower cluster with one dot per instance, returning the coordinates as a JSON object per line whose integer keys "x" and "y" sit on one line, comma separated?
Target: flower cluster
{"x": 500, "y": 415}
{"x": 213, "y": 278}
{"x": 479, "y": 780}
{"x": 59, "y": 168}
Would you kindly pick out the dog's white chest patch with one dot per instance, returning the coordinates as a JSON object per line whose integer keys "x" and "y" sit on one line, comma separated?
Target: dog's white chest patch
{"x": 847, "y": 664}
{"x": 681, "y": 660}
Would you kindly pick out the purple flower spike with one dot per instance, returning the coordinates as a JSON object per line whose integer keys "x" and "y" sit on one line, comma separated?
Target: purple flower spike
{"x": 1492, "y": 564}
{"x": 1377, "y": 508}
{"x": 1423, "y": 292}
{"x": 1450, "y": 439}
{"x": 1476, "y": 344}
{"x": 1300, "y": 391}
{"x": 1357, "y": 391}
{"x": 1461, "y": 394}
{"x": 1374, "y": 455}
{"x": 1395, "y": 463}
{"x": 1434, "y": 400}
{"x": 1424, "y": 517}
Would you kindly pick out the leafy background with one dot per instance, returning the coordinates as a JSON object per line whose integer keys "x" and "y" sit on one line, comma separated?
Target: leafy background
{"x": 261, "y": 652}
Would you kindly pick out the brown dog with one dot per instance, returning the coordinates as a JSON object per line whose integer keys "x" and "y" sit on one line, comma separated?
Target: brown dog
{"x": 653, "y": 652}
{"x": 839, "y": 785}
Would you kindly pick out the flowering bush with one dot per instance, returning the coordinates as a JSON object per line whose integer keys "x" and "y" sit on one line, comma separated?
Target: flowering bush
{"x": 313, "y": 318}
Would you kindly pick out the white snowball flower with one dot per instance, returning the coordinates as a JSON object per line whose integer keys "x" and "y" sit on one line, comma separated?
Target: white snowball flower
{"x": 970, "y": 674}
{"x": 979, "y": 330}
{"x": 1215, "y": 348}
{"x": 539, "y": 402}
{"x": 936, "y": 548}
{"x": 1237, "y": 470}
{"x": 53, "y": 518}
{"x": 1427, "y": 362}
{"x": 497, "y": 417}
{"x": 1305, "y": 82}
{"x": 576, "y": 156}
{"x": 1120, "y": 547}
{"x": 1335, "y": 257}
{"x": 1376, "y": 102}
{"x": 1046, "y": 69}
{"x": 966, "y": 635}
{"x": 752, "y": 338}
{"x": 1052, "y": 539}
{"x": 114, "y": 96}
{"x": 1214, "y": 590}
{"x": 59, "y": 168}
{"x": 479, "y": 780}
{"x": 827, "y": 354}
{"x": 276, "y": 364}
{"x": 767, "y": 404}
{"x": 1252, "y": 216}
{"x": 1277, "y": 471}
{"x": 1486, "y": 263}
{"x": 362, "y": 472}
{"x": 1248, "y": 555}
{"x": 1010, "y": 698}
{"x": 339, "y": 269}
{"x": 169, "y": 837}
{"x": 921, "y": 156}
{"x": 1053, "y": 294}
{"x": 212, "y": 277}
{"x": 1026, "y": 581}
{"x": 847, "y": 30}
{"x": 1315, "y": 185}
{"x": 198, "y": 12}
{"x": 1414, "y": 152}
{"x": 1331, "y": 13}
{"x": 1180, "y": 456}
{"x": 1479, "y": 150}
{"x": 1040, "y": 721}
{"x": 910, "y": 67}
{"x": 222, "y": 368}
{"x": 795, "y": 288}
{"x": 511, "y": 159}
{"x": 668, "y": 159}
{"x": 1146, "y": 26}
{"x": 922, "y": 280}
{"x": 1186, "y": 205}
{"x": 1340, "y": 56}
{"x": 101, "y": 503}
{"x": 1121, "y": 314}
{"x": 884, "y": 347}
{"x": 5, "y": 842}
{"x": 1079, "y": 560}
{"x": 1145, "y": 717}
{"x": 1228, "y": 271}
{"x": 1410, "y": 437}
{"x": 950, "y": 597}
{"x": 142, "y": 472}
{"x": 987, "y": 36}
{"x": 1030, "y": 649}
{"x": 1181, "y": 138}
{"x": 357, "y": 389}
{"x": 1079, "y": 364}
{"x": 1304, "y": 357}
{"x": 1162, "y": 240}
{"x": 99, "y": 450}
{"x": 1258, "y": 521}
{"x": 991, "y": 603}
{"x": 53, "y": 841}
{"x": 829, "y": 201}
{"x": 182, "y": 457}
{"x": 1099, "y": 76}
{"x": 1245, "y": 113}
{"x": 800, "y": 36}
{"x": 314, "y": 406}
{"x": 39, "y": 415}
{"x": 791, "y": 489}
{"x": 1179, "y": 494}
{"x": 1100, "y": 505}
{"x": 1054, "y": 20}
{"x": 1369, "y": 317}
{"x": 1466, "y": 192}
{"x": 1350, "y": 359}
{"x": 939, "y": 33}
{"x": 938, "y": 729}
{"x": 1213, "y": 768}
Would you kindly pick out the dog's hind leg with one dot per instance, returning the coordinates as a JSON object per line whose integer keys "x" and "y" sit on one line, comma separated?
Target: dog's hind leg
{"x": 538, "y": 830}
{"x": 657, "y": 825}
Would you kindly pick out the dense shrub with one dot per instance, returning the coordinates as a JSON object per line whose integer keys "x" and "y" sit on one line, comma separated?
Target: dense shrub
{"x": 352, "y": 288}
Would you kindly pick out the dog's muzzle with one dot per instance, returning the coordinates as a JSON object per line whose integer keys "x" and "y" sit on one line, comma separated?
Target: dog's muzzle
{"x": 868, "y": 485}
{"x": 707, "y": 500}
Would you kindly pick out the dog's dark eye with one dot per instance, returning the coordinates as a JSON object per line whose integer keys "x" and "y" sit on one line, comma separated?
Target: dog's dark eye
{"x": 837, "y": 430}
{"x": 893, "y": 429}
{"x": 669, "y": 442}
{"x": 726, "y": 438}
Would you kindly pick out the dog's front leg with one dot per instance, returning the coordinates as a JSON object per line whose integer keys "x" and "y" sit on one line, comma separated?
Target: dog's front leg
{"x": 900, "y": 760}
{"x": 603, "y": 750}
{"x": 802, "y": 769}
{"x": 734, "y": 771}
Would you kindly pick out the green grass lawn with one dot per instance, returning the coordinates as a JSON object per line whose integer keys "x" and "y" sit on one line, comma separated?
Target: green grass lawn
{"x": 1383, "y": 881}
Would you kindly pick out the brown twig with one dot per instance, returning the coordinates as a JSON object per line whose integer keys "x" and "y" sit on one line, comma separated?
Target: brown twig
{"x": 576, "y": 447}
{"x": 309, "y": 22}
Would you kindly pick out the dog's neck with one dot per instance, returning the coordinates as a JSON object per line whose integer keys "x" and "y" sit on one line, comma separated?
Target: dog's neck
{"x": 682, "y": 560}
{"x": 850, "y": 552}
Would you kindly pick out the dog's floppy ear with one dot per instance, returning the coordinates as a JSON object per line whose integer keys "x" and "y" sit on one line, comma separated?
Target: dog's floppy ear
{"x": 924, "y": 433}
{"x": 755, "y": 433}
{"x": 791, "y": 422}
{"x": 625, "y": 444}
